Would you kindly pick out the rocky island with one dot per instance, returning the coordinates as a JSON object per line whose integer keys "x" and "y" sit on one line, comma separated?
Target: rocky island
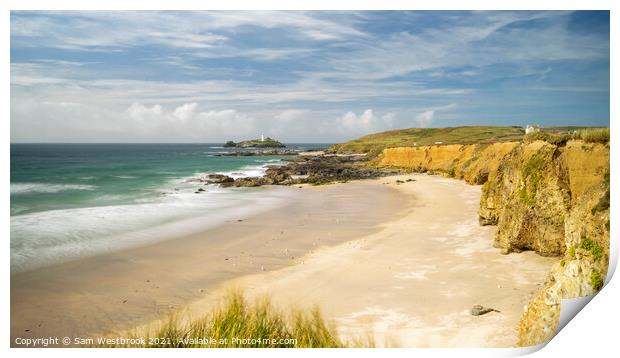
{"x": 255, "y": 143}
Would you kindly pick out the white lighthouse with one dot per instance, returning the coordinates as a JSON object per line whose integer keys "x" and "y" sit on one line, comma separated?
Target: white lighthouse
{"x": 262, "y": 137}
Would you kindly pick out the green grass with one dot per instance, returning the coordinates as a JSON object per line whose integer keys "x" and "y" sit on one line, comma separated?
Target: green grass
{"x": 531, "y": 174}
{"x": 237, "y": 323}
{"x": 596, "y": 280}
{"x": 451, "y": 172}
{"x": 554, "y": 138}
{"x": 593, "y": 247}
{"x": 593, "y": 135}
{"x": 374, "y": 144}
{"x": 560, "y": 135}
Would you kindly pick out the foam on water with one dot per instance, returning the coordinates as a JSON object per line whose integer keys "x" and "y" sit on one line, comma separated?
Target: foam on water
{"x": 49, "y": 237}
{"x": 23, "y": 188}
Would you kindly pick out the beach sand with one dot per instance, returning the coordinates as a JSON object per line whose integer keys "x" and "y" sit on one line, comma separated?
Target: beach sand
{"x": 414, "y": 282}
{"x": 403, "y": 263}
{"x": 115, "y": 291}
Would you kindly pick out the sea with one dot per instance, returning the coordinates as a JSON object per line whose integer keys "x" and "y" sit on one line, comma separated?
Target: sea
{"x": 74, "y": 200}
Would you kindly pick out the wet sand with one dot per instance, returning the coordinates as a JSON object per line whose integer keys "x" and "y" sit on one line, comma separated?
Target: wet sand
{"x": 116, "y": 291}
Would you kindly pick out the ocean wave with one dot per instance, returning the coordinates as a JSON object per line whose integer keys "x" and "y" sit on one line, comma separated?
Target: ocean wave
{"x": 125, "y": 176}
{"x": 43, "y": 238}
{"x": 27, "y": 188}
{"x": 251, "y": 170}
{"x": 247, "y": 171}
{"x": 268, "y": 160}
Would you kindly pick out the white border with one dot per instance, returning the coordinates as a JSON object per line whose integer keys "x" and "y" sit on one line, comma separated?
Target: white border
{"x": 591, "y": 332}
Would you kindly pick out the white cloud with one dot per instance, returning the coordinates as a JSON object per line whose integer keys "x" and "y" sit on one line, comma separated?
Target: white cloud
{"x": 55, "y": 82}
{"x": 105, "y": 30}
{"x": 365, "y": 123}
{"x": 290, "y": 115}
{"x": 61, "y": 122}
{"x": 333, "y": 70}
{"x": 49, "y": 121}
{"x": 471, "y": 40}
{"x": 187, "y": 122}
{"x": 426, "y": 117}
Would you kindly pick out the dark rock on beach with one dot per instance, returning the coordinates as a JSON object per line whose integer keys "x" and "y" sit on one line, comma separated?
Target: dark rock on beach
{"x": 248, "y": 182}
{"x": 313, "y": 169}
{"x": 219, "y": 179}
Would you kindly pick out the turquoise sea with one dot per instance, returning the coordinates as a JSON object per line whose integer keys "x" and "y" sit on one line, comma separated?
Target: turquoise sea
{"x": 72, "y": 200}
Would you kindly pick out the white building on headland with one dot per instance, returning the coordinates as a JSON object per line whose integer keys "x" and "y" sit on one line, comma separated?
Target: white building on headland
{"x": 531, "y": 129}
{"x": 262, "y": 137}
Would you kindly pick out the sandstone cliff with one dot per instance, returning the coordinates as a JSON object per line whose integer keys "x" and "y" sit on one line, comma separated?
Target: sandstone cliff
{"x": 550, "y": 198}
{"x": 472, "y": 162}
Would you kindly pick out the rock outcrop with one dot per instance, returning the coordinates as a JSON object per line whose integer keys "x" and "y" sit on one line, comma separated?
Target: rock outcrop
{"x": 307, "y": 169}
{"x": 550, "y": 198}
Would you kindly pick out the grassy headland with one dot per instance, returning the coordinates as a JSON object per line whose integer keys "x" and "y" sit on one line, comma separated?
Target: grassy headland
{"x": 373, "y": 144}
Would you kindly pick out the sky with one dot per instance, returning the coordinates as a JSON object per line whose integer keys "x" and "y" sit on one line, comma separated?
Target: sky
{"x": 321, "y": 77}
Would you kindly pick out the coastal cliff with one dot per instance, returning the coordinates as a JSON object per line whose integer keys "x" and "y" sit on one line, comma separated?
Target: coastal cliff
{"x": 546, "y": 197}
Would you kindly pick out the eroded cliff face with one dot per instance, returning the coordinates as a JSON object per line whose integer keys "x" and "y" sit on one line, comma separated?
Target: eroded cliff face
{"x": 473, "y": 163}
{"x": 582, "y": 270}
{"x": 543, "y": 197}
{"x": 527, "y": 197}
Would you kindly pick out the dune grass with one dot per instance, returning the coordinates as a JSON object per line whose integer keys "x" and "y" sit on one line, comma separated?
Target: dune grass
{"x": 561, "y": 135}
{"x": 238, "y": 324}
{"x": 593, "y": 135}
{"x": 555, "y": 138}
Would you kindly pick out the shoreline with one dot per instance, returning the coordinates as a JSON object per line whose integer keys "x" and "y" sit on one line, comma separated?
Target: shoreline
{"x": 371, "y": 279}
{"x": 114, "y": 291}
{"x": 132, "y": 226}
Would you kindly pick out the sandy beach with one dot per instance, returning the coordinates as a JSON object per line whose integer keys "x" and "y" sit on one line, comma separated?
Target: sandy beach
{"x": 403, "y": 263}
{"x": 116, "y": 291}
{"x": 413, "y": 282}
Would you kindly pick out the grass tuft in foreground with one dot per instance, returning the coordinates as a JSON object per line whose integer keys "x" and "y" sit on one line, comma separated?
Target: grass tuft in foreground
{"x": 236, "y": 323}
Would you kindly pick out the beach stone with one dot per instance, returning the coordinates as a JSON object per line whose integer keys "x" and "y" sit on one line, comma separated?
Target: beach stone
{"x": 479, "y": 310}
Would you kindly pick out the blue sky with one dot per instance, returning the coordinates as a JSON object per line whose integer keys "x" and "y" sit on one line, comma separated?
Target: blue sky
{"x": 187, "y": 76}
